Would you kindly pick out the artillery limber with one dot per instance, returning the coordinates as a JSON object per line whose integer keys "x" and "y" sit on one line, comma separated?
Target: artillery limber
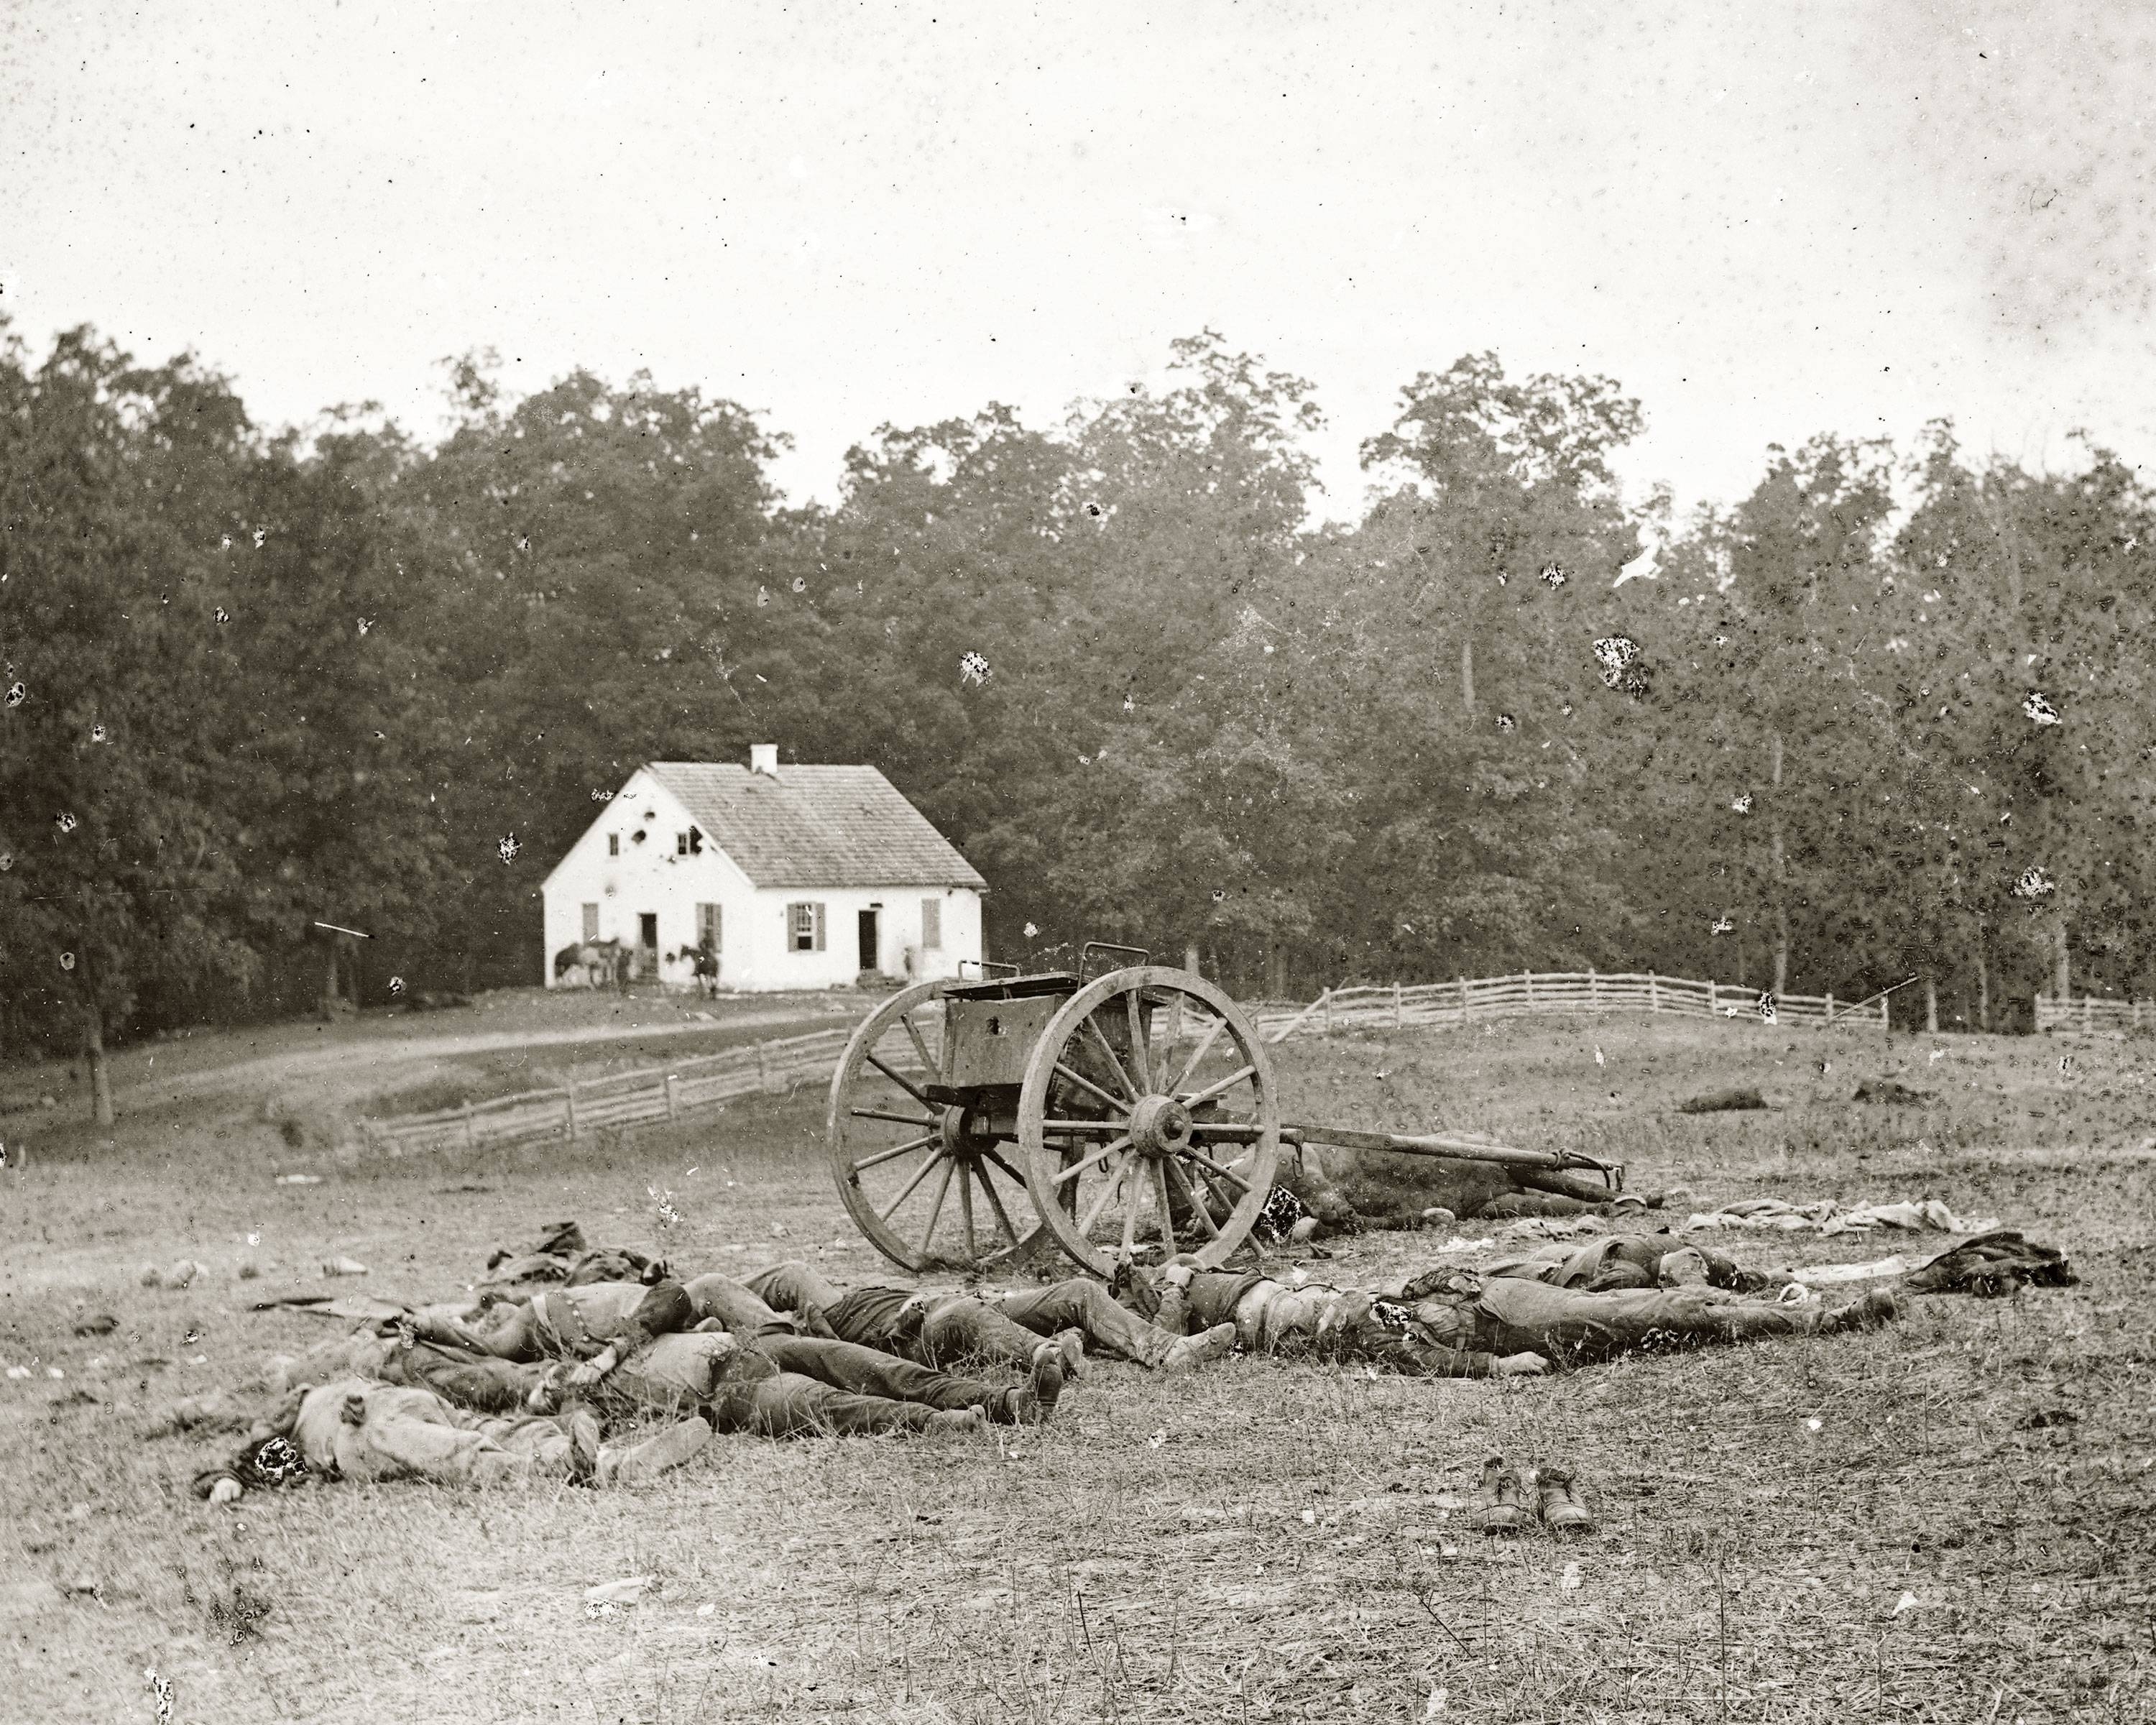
{"x": 1127, "y": 1114}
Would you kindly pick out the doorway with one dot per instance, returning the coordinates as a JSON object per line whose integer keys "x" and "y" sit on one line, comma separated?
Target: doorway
{"x": 869, "y": 920}
{"x": 647, "y": 937}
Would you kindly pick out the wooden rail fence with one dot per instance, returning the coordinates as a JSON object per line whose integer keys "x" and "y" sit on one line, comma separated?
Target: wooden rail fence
{"x": 657, "y": 1095}
{"x": 1380, "y": 1005}
{"x": 2089, "y": 1012}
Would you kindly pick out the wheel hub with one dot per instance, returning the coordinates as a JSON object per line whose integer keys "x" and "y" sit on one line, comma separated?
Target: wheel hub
{"x": 1160, "y": 1126}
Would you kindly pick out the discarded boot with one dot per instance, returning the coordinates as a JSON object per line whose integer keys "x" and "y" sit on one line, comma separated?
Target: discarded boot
{"x": 1867, "y": 1311}
{"x": 1558, "y": 1499}
{"x": 1201, "y": 1349}
{"x": 1502, "y": 1510}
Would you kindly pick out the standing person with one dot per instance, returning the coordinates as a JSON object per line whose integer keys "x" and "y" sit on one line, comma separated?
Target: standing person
{"x": 936, "y": 1329}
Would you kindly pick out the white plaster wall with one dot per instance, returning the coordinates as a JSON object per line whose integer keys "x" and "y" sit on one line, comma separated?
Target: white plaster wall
{"x": 754, "y": 954}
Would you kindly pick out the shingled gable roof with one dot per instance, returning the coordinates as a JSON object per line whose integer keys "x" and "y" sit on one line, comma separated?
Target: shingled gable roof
{"x": 815, "y": 826}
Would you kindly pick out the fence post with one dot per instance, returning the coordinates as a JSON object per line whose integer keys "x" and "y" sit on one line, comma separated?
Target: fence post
{"x": 1712, "y": 1011}
{"x": 1530, "y": 976}
{"x": 471, "y": 1132}
{"x": 762, "y": 1068}
{"x": 1593, "y": 991}
{"x": 1830, "y": 1006}
{"x": 673, "y": 1105}
{"x": 1329, "y": 1012}
{"x": 2137, "y": 1014}
{"x": 1397, "y": 1019}
{"x": 1654, "y": 993}
{"x": 571, "y": 1093}
{"x": 2088, "y": 1007}
{"x": 1464, "y": 1013}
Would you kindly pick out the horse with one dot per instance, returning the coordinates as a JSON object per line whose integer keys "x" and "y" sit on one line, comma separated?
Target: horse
{"x": 600, "y": 961}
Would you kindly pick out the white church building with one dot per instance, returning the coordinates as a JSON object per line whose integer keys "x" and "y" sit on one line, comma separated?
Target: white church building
{"x": 801, "y": 877}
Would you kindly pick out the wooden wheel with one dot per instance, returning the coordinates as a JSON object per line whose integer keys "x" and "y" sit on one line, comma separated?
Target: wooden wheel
{"x": 929, "y": 1184}
{"x": 1141, "y": 1091}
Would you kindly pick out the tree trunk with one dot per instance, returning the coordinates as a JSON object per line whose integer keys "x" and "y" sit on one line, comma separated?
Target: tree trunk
{"x": 1190, "y": 959}
{"x": 1467, "y": 674}
{"x": 1983, "y": 981}
{"x": 100, "y": 1075}
{"x": 1275, "y": 972}
{"x": 1930, "y": 1006}
{"x": 1781, "y": 876}
{"x": 2062, "y": 975}
{"x": 329, "y": 982}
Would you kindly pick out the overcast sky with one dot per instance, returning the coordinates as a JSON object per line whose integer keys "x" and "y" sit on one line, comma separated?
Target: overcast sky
{"x": 1764, "y": 220}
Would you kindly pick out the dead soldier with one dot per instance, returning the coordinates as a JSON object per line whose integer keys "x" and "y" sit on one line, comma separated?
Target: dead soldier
{"x": 361, "y": 1429}
{"x": 939, "y": 1329}
{"x": 1455, "y": 1323}
{"x": 712, "y": 1342}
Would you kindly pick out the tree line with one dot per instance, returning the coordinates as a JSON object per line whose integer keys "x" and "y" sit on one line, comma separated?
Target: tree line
{"x": 1888, "y": 714}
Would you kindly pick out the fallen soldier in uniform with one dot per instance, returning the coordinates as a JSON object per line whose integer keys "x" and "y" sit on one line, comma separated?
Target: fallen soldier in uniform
{"x": 562, "y": 1254}
{"x": 776, "y": 1385}
{"x": 1634, "y": 1260}
{"x": 360, "y": 1429}
{"x": 1374, "y": 1192}
{"x": 937, "y": 1329}
{"x": 671, "y": 1342}
{"x": 1453, "y": 1324}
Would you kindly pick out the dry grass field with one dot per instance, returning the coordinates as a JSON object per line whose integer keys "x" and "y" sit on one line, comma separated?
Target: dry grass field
{"x": 1952, "y": 1520}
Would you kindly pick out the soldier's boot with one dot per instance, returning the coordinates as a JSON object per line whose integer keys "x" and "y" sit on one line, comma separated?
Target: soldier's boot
{"x": 1201, "y": 1349}
{"x": 627, "y": 1464}
{"x": 1558, "y": 1498}
{"x": 1033, "y": 1402}
{"x": 1502, "y": 1510}
{"x": 1867, "y": 1311}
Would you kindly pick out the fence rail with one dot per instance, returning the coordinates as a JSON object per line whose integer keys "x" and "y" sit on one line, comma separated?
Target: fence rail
{"x": 2090, "y": 1012}
{"x": 1381, "y": 1005}
{"x": 657, "y": 1095}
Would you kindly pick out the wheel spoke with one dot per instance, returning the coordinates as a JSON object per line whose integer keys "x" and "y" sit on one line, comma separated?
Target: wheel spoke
{"x": 920, "y": 1048}
{"x": 1115, "y": 1060}
{"x": 1106, "y": 1192}
{"x": 1213, "y": 1090}
{"x": 899, "y": 1119}
{"x": 895, "y": 1152}
{"x": 1182, "y": 1183}
{"x": 1090, "y": 1128}
{"x": 936, "y": 1209}
{"x": 1083, "y": 1082}
{"x": 920, "y": 1175}
{"x": 966, "y": 1209}
{"x": 996, "y": 1204}
{"x": 904, "y": 1083}
{"x": 1141, "y": 1057}
{"x": 1212, "y": 1167}
{"x": 1167, "y": 1213}
{"x": 1204, "y": 1047}
{"x": 1080, "y": 1166}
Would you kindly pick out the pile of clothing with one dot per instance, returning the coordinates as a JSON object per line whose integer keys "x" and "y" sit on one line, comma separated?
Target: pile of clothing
{"x": 1774, "y": 1215}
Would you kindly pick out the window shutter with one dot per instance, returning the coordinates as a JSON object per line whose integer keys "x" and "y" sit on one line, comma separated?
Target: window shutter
{"x": 820, "y": 928}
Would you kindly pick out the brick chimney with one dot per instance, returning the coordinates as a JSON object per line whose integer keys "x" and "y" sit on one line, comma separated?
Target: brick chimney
{"x": 763, "y": 757}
